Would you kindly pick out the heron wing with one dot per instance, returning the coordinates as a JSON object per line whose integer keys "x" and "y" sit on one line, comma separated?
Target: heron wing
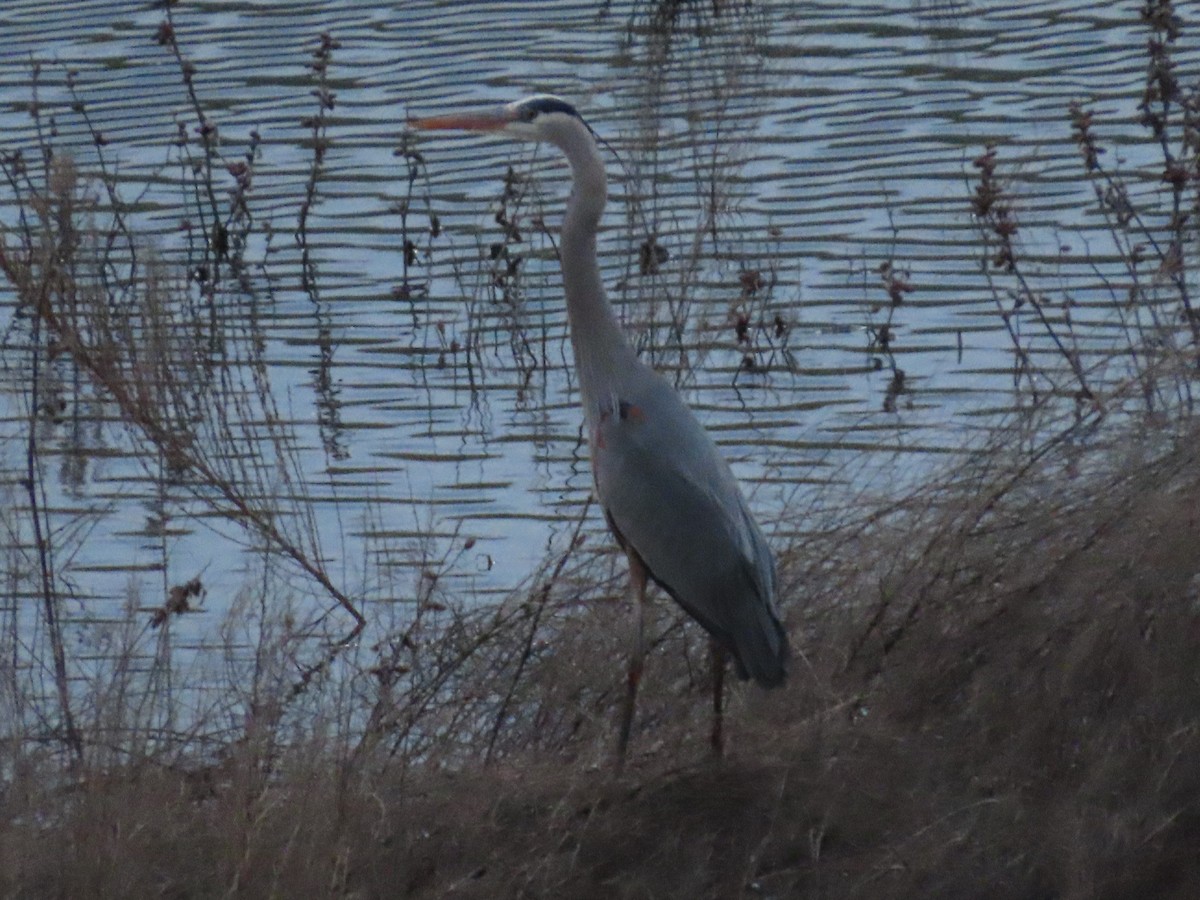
{"x": 670, "y": 496}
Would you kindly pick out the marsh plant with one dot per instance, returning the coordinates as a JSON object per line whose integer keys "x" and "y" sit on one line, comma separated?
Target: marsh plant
{"x": 1146, "y": 198}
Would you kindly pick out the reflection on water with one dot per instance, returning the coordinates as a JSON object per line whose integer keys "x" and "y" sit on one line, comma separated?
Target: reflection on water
{"x": 789, "y": 235}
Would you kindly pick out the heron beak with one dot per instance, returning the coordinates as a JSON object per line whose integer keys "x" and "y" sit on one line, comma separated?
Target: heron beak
{"x": 472, "y": 121}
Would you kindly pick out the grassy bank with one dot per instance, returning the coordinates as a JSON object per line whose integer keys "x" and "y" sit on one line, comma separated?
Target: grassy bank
{"x": 993, "y": 696}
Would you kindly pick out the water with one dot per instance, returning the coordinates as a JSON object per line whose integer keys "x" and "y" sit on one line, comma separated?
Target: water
{"x": 786, "y": 147}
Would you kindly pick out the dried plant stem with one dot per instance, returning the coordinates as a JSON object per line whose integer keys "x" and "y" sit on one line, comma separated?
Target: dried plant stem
{"x": 326, "y": 100}
{"x": 176, "y": 447}
{"x": 50, "y": 597}
{"x": 209, "y": 207}
{"x": 534, "y": 621}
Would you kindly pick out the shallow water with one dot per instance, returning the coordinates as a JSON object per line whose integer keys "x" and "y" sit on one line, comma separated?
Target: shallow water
{"x": 790, "y": 146}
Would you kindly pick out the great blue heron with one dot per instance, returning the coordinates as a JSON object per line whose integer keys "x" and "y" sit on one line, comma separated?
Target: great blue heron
{"x": 669, "y": 497}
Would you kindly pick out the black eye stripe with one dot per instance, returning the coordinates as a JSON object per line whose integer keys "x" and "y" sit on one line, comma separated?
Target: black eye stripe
{"x": 531, "y": 109}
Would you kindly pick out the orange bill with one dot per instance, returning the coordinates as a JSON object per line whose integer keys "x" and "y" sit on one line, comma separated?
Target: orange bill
{"x": 472, "y": 121}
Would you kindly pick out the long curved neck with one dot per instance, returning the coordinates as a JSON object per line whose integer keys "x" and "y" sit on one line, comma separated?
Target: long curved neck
{"x": 601, "y": 349}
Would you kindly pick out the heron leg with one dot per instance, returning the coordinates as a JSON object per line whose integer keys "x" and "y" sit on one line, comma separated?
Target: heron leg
{"x": 719, "y": 660}
{"x": 637, "y": 584}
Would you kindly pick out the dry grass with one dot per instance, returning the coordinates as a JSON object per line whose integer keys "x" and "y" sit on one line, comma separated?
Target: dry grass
{"x": 1031, "y": 732}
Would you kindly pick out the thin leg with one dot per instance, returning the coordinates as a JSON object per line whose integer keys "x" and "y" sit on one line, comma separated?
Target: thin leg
{"x": 719, "y": 660}
{"x": 637, "y": 584}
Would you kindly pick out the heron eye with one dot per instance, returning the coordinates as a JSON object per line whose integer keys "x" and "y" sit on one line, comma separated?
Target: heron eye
{"x": 527, "y": 113}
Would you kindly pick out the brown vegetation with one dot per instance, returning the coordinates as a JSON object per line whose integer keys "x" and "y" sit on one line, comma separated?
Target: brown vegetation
{"x": 1030, "y": 729}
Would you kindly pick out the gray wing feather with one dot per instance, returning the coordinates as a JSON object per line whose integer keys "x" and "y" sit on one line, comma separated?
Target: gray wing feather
{"x": 671, "y": 497}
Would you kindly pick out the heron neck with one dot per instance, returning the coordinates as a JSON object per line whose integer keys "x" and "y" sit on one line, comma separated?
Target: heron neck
{"x": 602, "y": 352}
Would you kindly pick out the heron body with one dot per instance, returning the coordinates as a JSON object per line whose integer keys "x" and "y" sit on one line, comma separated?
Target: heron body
{"x": 683, "y": 515}
{"x": 667, "y": 493}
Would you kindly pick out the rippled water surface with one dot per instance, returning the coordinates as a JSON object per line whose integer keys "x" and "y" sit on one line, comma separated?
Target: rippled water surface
{"x": 765, "y": 160}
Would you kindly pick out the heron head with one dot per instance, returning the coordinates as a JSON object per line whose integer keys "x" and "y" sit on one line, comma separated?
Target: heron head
{"x": 542, "y": 117}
